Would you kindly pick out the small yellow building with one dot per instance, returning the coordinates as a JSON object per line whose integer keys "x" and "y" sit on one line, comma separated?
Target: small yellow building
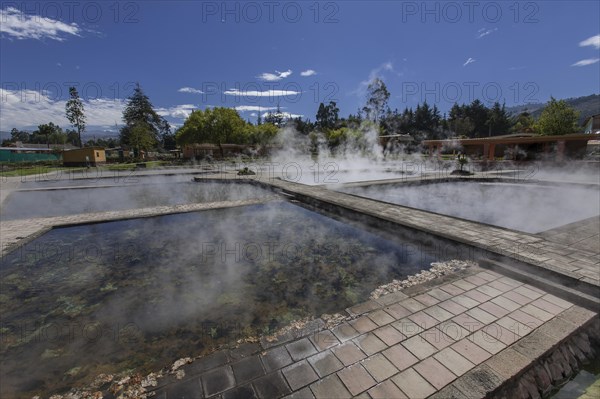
{"x": 88, "y": 156}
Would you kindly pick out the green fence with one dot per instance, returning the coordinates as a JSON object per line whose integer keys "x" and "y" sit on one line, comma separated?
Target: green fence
{"x": 10, "y": 156}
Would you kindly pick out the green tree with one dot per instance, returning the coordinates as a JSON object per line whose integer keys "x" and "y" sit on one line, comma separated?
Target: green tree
{"x": 498, "y": 121}
{"x": 143, "y": 126}
{"x": 75, "y": 112}
{"x": 47, "y": 130}
{"x": 215, "y": 125}
{"x": 327, "y": 115}
{"x": 524, "y": 122}
{"x": 19, "y": 135}
{"x": 557, "y": 118}
{"x": 377, "y": 98}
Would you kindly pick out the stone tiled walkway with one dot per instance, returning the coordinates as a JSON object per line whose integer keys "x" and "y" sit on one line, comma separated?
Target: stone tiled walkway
{"x": 435, "y": 340}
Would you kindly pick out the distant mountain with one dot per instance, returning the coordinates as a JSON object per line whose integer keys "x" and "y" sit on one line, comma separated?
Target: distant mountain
{"x": 586, "y": 105}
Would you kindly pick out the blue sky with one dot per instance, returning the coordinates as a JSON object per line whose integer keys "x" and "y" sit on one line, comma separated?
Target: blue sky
{"x": 189, "y": 55}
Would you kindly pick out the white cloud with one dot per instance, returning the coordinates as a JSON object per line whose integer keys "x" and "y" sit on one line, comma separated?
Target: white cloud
{"x": 586, "y": 62}
{"x": 274, "y": 77}
{"x": 246, "y": 108}
{"x": 308, "y": 72}
{"x": 58, "y": 64}
{"x": 190, "y": 90}
{"x": 592, "y": 41}
{"x": 26, "y": 108}
{"x": 285, "y": 115}
{"x": 469, "y": 61}
{"x": 178, "y": 111}
{"x": 484, "y": 32}
{"x": 18, "y": 25}
{"x": 266, "y": 93}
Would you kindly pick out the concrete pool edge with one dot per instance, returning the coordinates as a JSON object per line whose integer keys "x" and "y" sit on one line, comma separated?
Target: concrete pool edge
{"x": 498, "y": 373}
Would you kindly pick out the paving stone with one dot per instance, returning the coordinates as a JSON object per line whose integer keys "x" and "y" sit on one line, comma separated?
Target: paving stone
{"x": 348, "y": 353}
{"x": 527, "y": 292}
{"x": 557, "y": 301}
{"x": 500, "y": 286}
{"x": 276, "y": 358}
{"x": 205, "y": 363}
{"x": 434, "y": 372}
{"x": 478, "y": 382}
{"x": 477, "y": 296}
{"x": 271, "y": 386}
{"x": 439, "y": 294}
{"x": 488, "y": 275}
{"x": 386, "y": 390}
{"x": 526, "y": 319}
{"x": 424, "y": 320}
{"x": 453, "y": 307}
{"x": 247, "y": 369}
{"x": 505, "y": 335}
{"x": 463, "y": 284}
{"x": 439, "y": 313}
{"x": 510, "y": 281}
{"x": 325, "y": 363}
{"x": 299, "y": 375}
{"x": 426, "y": 299}
{"x": 470, "y": 351}
{"x": 481, "y": 315}
{"x": 493, "y": 309}
{"x": 465, "y": 301}
{"x": 397, "y": 311}
{"x": 508, "y": 363}
{"x": 537, "y": 312}
{"x": 364, "y": 307}
{"x": 413, "y": 384}
{"x": 547, "y": 306}
{"x": 436, "y": 338}
{"x": 489, "y": 291}
{"x": 324, "y": 340}
{"x": 475, "y": 280}
{"x": 577, "y": 315}
{"x": 453, "y": 361}
{"x": 412, "y": 304}
{"x": 188, "y": 389}
{"x": 344, "y": 332}
{"x": 505, "y": 303}
{"x": 304, "y": 393}
{"x": 453, "y": 330}
{"x": 389, "y": 299}
{"x": 301, "y": 349}
{"x": 389, "y": 335}
{"x": 379, "y": 367}
{"x": 242, "y": 392}
{"x": 407, "y": 327}
{"x": 400, "y": 357}
{"x": 452, "y": 289}
{"x": 448, "y": 392}
{"x": 467, "y": 322}
{"x": 513, "y": 325}
{"x": 380, "y": 317}
{"x": 369, "y": 343}
{"x": 534, "y": 345}
{"x": 419, "y": 347}
{"x": 363, "y": 324}
{"x": 330, "y": 387}
{"x": 218, "y": 380}
{"x": 487, "y": 342}
{"x": 356, "y": 379}
{"x": 516, "y": 297}
{"x": 244, "y": 350}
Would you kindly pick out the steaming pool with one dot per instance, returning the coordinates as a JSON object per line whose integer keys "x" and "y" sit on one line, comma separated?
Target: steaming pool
{"x": 136, "y": 295}
{"x": 526, "y": 207}
{"x": 46, "y": 199}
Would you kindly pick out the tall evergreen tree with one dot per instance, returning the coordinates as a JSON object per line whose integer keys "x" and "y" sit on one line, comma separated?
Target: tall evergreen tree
{"x": 75, "y": 112}
{"x": 143, "y": 126}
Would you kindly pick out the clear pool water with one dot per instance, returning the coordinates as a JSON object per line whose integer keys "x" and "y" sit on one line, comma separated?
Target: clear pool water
{"x": 136, "y": 295}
